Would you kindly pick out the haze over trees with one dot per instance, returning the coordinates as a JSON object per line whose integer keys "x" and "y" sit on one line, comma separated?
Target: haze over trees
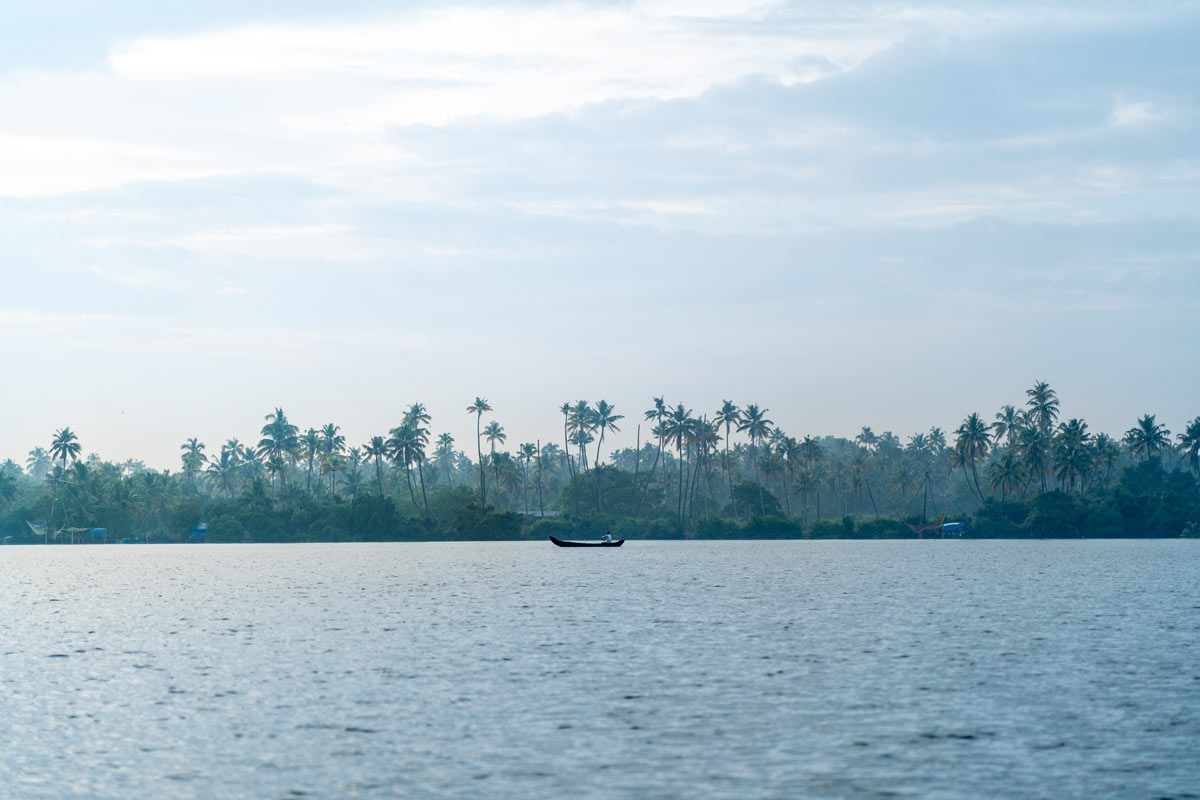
{"x": 731, "y": 472}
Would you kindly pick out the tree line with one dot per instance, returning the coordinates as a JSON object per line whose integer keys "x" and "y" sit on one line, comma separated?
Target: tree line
{"x": 1025, "y": 472}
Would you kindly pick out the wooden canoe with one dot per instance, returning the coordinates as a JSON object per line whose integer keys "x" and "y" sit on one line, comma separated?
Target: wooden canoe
{"x": 562, "y": 543}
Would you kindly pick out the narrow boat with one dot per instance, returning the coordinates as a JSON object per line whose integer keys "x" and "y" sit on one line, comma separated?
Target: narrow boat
{"x": 562, "y": 543}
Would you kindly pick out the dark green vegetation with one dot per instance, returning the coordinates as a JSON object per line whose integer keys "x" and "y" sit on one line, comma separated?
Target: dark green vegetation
{"x": 734, "y": 474}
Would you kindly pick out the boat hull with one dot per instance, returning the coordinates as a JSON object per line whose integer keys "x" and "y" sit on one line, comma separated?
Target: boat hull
{"x": 562, "y": 543}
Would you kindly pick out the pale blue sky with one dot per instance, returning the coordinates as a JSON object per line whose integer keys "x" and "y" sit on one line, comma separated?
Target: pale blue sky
{"x": 853, "y": 214}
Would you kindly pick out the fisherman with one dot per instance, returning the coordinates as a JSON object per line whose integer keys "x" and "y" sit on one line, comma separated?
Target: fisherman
{"x": 607, "y": 537}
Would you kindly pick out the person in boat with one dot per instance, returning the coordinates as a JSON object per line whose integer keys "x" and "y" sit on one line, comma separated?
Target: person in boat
{"x": 607, "y": 539}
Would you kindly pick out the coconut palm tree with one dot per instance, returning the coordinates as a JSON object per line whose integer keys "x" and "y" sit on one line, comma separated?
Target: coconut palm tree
{"x": 605, "y": 418}
{"x": 1043, "y": 405}
{"x": 657, "y": 414}
{"x": 581, "y": 423}
{"x": 678, "y": 428}
{"x": 756, "y": 425}
{"x": 416, "y": 417}
{"x": 1105, "y": 452}
{"x": 332, "y": 442}
{"x": 1189, "y": 445}
{"x": 859, "y": 466}
{"x": 310, "y": 451}
{"x": 64, "y": 445}
{"x": 1147, "y": 438}
{"x": 445, "y": 454}
{"x": 494, "y": 433}
{"x": 354, "y": 459}
{"x": 279, "y": 443}
{"x": 377, "y": 449}
{"x": 1073, "y": 453}
{"x": 1033, "y": 444}
{"x": 478, "y": 408}
{"x": 730, "y": 416}
{"x": 193, "y": 458}
{"x": 1006, "y": 473}
{"x": 972, "y": 444}
{"x": 222, "y": 469}
{"x": 38, "y": 463}
{"x": 526, "y": 453}
{"x": 1007, "y": 425}
{"x": 402, "y": 445}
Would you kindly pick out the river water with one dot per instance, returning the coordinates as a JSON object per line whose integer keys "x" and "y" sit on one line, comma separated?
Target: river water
{"x": 658, "y": 670}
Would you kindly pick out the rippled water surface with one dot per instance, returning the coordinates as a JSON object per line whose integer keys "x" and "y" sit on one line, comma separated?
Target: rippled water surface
{"x": 662, "y": 669}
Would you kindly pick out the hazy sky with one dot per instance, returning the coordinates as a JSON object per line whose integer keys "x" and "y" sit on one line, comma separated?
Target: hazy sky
{"x": 885, "y": 214}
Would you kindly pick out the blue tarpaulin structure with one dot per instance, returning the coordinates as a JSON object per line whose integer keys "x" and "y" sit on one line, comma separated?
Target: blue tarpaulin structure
{"x": 197, "y": 532}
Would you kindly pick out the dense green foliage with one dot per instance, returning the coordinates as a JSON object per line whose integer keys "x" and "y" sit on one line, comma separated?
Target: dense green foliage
{"x": 1024, "y": 475}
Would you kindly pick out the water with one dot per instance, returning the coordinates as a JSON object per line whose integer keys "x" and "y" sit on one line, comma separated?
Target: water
{"x": 662, "y": 669}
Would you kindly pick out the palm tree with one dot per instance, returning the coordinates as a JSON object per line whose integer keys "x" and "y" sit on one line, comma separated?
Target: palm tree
{"x": 565, "y": 408}
{"x": 416, "y": 417}
{"x": 64, "y": 445}
{"x": 193, "y": 458}
{"x": 1007, "y": 425}
{"x": 858, "y": 472}
{"x": 1147, "y": 438}
{"x": 526, "y": 452}
{"x": 678, "y": 428}
{"x": 1032, "y": 442}
{"x": 730, "y": 416}
{"x": 1106, "y": 452}
{"x": 38, "y": 463}
{"x": 972, "y": 445}
{"x": 756, "y": 425}
{"x": 478, "y": 408}
{"x": 378, "y": 450}
{"x": 222, "y": 469}
{"x": 582, "y": 423}
{"x": 867, "y": 438}
{"x": 402, "y": 445}
{"x": 445, "y": 454}
{"x": 657, "y": 415}
{"x": 332, "y": 442}
{"x": 1189, "y": 444}
{"x": 494, "y": 433}
{"x": 1006, "y": 473}
{"x": 280, "y": 441}
{"x": 1043, "y": 405}
{"x": 353, "y": 477}
{"x": 605, "y": 418}
{"x": 310, "y": 449}
{"x": 1073, "y": 455}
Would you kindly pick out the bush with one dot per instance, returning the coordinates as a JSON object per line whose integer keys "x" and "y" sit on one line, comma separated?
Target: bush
{"x": 773, "y": 528}
{"x": 881, "y": 528}
{"x": 718, "y": 528}
{"x": 1055, "y": 516}
{"x": 832, "y": 529}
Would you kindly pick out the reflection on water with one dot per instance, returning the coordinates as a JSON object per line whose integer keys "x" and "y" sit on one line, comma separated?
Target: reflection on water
{"x": 662, "y": 669}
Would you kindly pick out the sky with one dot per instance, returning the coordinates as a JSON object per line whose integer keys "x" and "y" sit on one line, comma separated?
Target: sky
{"x": 884, "y": 214}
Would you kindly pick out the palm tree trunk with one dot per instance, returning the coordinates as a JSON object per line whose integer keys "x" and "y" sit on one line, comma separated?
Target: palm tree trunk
{"x": 541, "y": 510}
{"x": 637, "y": 460}
{"x": 679, "y": 500}
{"x": 729, "y": 476}
{"x": 650, "y": 478}
{"x": 411, "y": 493}
{"x": 479, "y": 452}
{"x": 424, "y": 497}
{"x": 495, "y": 469}
{"x": 570, "y": 465}
{"x": 524, "y": 486}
